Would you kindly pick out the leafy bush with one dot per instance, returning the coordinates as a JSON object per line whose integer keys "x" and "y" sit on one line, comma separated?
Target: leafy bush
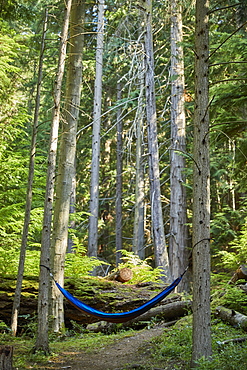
{"x": 235, "y": 299}
{"x": 142, "y": 271}
{"x": 78, "y": 264}
{"x": 173, "y": 348}
{"x": 238, "y": 253}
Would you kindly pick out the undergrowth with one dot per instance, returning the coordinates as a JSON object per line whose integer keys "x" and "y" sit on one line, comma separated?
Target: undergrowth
{"x": 171, "y": 350}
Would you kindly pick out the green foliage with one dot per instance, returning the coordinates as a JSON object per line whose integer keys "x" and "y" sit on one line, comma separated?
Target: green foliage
{"x": 78, "y": 264}
{"x": 235, "y": 299}
{"x": 142, "y": 271}
{"x": 173, "y": 348}
{"x": 237, "y": 252}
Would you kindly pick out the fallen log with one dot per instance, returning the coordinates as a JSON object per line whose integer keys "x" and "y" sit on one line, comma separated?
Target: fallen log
{"x": 232, "y": 317}
{"x": 240, "y": 273}
{"x": 243, "y": 288}
{"x": 6, "y": 357}
{"x": 168, "y": 312}
{"x": 233, "y": 340}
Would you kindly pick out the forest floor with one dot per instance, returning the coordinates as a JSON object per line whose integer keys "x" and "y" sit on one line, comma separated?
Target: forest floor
{"x": 132, "y": 352}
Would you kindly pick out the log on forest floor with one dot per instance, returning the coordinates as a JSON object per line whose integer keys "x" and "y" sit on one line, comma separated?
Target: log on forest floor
{"x": 123, "y": 275}
{"x": 169, "y": 311}
{"x": 240, "y": 273}
{"x": 232, "y": 317}
{"x": 233, "y": 340}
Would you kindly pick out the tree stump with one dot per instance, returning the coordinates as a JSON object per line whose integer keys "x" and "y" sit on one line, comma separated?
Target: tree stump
{"x": 6, "y": 356}
{"x": 123, "y": 275}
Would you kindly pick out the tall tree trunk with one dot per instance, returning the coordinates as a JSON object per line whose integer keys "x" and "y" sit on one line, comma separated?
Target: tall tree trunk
{"x": 44, "y": 277}
{"x": 119, "y": 181}
{"x": 66, "y": 161}
{"x": 178, "y": 214}
{"x": 138, "y": 235}
{"x": 94, "y": 186}
{"x": 201, "y": 191}
{"x": 161, "y": 255}
{"x": 17, "y": 297}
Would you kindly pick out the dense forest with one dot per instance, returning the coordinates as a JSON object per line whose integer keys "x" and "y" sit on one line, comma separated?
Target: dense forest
{"x": 123, "y": 143}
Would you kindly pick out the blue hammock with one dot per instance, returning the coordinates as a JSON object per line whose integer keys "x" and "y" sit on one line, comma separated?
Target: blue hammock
{"x": 122, "y": 316}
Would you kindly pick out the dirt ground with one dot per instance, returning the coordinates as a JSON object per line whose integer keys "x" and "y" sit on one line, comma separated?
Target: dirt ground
{"x": 126, "y": 353}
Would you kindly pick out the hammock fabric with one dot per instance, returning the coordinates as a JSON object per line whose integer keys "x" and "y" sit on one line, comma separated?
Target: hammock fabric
{"x": 122, "y": 316}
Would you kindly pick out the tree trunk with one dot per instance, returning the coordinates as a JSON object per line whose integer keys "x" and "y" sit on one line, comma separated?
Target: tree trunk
{"x": 119, "y": 181}
{"x": 138, "y": 235}
{"x": 6, "y": 356}
{"x": 201, "y": 191}
{"x": 94, "y": 186}
{"x": 161, "y": 255}
{"x": 17, "y": 297}
{"x": 178, "y": 253}
{"x": 66, "y": 161}
{"x": 44, "y": 277}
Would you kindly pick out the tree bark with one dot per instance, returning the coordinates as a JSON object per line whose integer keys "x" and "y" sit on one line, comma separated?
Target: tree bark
{"x": 178, "y": 253}
{"x": 94, "y": 186}
{"x": 66, "y": 161}
{"x": 161, "y": 254}
{"x": 201, "y": 191}
{"x": 44, "y": 277}
{"x": 119, "y": 181}
{"x": 139, "y": 219}
{"x": 28, "y": 205}
{"x": 6, "y": 357}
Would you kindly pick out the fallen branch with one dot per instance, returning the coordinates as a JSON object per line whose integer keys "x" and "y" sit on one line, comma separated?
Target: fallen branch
{"x": 232, "y": 317}
{"x": 233, "y": 340}
{"x": 169, "y": 312}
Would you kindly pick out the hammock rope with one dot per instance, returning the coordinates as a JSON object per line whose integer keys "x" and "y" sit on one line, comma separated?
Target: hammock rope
{"x": 120, "y": 317}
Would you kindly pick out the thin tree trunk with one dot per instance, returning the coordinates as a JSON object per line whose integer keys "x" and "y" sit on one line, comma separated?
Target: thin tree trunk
{"x": 138, "y": 234}
{"x": 44, "y": 277}
{"x": 119, "y": 180}
{"x": 17, "y": 297}
{"x": 178, "y": 215}
{"x": 161, "y": 255}
{"x": 66, "y": 161}
{"x": 201, "y": 191}
{"x": 94, "y": 186}
{"x": 72, "y": 209}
